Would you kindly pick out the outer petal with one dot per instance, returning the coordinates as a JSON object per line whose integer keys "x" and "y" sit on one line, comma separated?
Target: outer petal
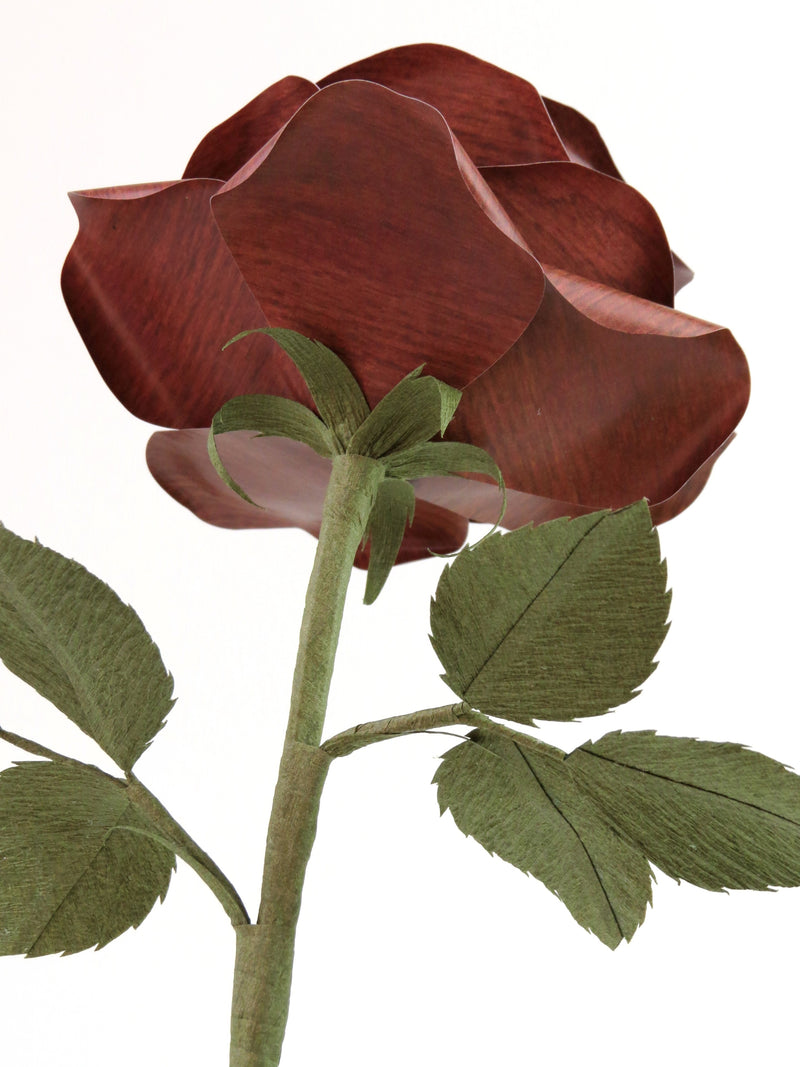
{"x": 587, "y": 223}
{"x": 581, "y": 138}
{"x": 155, "y": 295}
{"x": 287, "y": 478}
{"x": 229, "y": 146}
{"x": 584, "y": 145}
{"x": 367, "y": 228}
{"x": 583, "y": 416}
{"x": 498, "y": 117}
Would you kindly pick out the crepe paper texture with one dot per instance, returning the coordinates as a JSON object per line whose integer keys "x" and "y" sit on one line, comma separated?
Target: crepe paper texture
{"x": 589, "y": 824}
{"x": 77, "y": 867}
{"x": 556, "y": 621}
{"x": 69, "y": 635}
{"x": 367, "y": 297}
{"x": 418, "y": 206}
{"x": 395, "y": 434}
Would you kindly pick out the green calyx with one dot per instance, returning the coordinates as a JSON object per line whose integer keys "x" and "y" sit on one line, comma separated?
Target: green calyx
{"x": 397, "y": 433}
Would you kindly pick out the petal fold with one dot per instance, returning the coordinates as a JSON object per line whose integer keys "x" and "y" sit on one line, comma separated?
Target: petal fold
{"x": 155, "y": 295}
{"x": 589, "y": 224}
{"x": 498, "y": 117}
{"x": 228, "y": 146}
{"x": 581, "y": 138}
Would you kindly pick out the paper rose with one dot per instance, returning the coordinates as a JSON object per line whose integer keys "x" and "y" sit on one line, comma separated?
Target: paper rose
{"x": 421, "y": 206}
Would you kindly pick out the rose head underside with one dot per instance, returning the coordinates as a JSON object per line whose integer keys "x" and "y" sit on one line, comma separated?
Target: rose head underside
{"x": 420, "y": 206}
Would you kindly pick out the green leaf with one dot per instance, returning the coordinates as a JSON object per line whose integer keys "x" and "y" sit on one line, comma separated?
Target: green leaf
{"x": 337, "y": 395}
{"x": 442, "y": 458}
{"x": 268, "y": 416}
{"x": 518, "y": 799}
{"x": 717, "y": 815}
{"x": 554, "y": 621}
{"x": 415, "y": 410}
{"x": 67, "y": 634}
{"x": 71, "y": 874}
{"x": 391, "y": 513}
{"x": 438, "y": 458}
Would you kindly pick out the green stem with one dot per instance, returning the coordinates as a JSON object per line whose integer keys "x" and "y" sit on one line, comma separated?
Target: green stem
{"x": 175, "y": 837}
{"x": 367, "y": 733}
{"x": 265, "y": 951}
{"x": 166, "y": 830}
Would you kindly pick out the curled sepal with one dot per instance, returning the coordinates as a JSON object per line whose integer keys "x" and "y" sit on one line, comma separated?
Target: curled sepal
{"x": 417, "y": 408}
{"x": 77, "y": 868}
{"x": 716, "y": 815}
{"x": 437, "y": 458}
{"x": 268, "y": 416}
{"x": 556, "y": 621}
{"x": 337, "y": 395}
{"x": 391, "y": 513}
{"x": 67, "y": 634}
{"x": 517, "y": 798}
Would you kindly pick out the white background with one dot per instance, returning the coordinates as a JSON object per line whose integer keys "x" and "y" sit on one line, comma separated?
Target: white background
{"x": 414, "y": 945}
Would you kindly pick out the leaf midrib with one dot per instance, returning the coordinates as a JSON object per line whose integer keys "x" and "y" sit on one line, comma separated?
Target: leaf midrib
{"x": 577, "y": 835}
{"x": 86, "y": 869}
{"x": 689, "y": 785}
{"x": 530, "y": 604}
{"x": 21, "y": 603}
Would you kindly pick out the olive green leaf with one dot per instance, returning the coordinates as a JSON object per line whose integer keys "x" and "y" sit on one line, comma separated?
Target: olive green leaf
{"x": 416, "y": 409}
{"x": 77, "y": 868}
{"x": 556, "y": 621}
{"x": 437, "y": 458}
{"x": 391, "y": 513}
{"x": 517, "y": 798}
{"x": 717, "y": 815}
{"x": 441, "y": 458}
{"x": 268, "y": 416}
{"x": 337, "y": 395}
{"x": 68, "y": 635}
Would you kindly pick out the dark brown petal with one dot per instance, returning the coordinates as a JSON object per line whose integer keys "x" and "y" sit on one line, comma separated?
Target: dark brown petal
{"x": 287, "y": 478}
{"x": 367, "y": 228}
{"x": 498, "y": 117}
{"x": 581, "y": 139}
{"x": 683, "y": 273}
{"x": 590, "y": 417}
{"x": 155, "y": 295}
{"x": 479, "y": 500}
{"x": 624, "y": 311}
{"x": 587, "y": 223}
{"x": 228, "y": 146}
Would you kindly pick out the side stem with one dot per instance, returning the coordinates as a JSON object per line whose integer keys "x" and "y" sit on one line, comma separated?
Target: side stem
{"x": 265, "y": 950}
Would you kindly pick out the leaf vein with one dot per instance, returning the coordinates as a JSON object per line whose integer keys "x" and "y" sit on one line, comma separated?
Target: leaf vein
{"x": 530, "y": 604}
{"x": 87, "y": 868}
{"x": 690, "y": 785}
{"x": 578, "y": 837}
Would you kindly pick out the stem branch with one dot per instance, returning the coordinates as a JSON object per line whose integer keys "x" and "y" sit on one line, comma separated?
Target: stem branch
{"x": 367, "y": 733}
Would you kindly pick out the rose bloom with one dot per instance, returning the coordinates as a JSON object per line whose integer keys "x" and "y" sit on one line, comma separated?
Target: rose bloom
{"x": 419, "y": 206}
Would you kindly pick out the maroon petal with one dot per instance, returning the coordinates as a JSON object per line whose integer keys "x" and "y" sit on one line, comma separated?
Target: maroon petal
{"x": 582, "y": 416}
{"x": 229, "y": 146}
{"x": 155, "y": 295}
{"x": 287, "y": 478}
{"x": 367, "y": 228}
{"x": 581, "y": 139}
{"x": 587, "y": 223}
{"x": 683, "y": 273}
{"x": 479, "y": 500}
{"x": 498, "y": 117}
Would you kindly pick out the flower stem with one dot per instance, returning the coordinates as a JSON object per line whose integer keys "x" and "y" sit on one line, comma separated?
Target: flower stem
{"x": 265, "y": 950}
